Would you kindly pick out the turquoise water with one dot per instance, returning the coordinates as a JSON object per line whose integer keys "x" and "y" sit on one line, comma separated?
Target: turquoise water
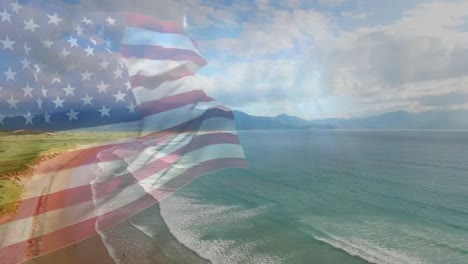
{"x": 326, "y": 196}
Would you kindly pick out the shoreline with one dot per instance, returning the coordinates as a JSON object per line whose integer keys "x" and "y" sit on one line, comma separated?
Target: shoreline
{"x": 92, "y": 249}
{"x": 129, "y": 245}
{"x": 41, "y": 176}
{"x": 19, "y": 178}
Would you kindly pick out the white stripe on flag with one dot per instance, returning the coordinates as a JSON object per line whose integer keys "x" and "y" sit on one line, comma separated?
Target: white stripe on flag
{"x": 188, "y": 161}
{"x": 140, "y": 36}
{"x": 168, "y": 119}
{"x": 148, "y": 67}
{"x": 182, "y": 85}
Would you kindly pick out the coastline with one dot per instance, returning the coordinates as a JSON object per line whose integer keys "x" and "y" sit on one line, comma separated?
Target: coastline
{"x": 145, "y": 238}
{"x": 137, "y": 246}
{"x": 163, "y": 248}
{"x": 20, "y": 178}
{"x": 46, "y": 173}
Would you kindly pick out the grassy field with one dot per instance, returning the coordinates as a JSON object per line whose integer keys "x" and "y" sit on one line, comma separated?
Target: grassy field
{"x": 18, "y": 151}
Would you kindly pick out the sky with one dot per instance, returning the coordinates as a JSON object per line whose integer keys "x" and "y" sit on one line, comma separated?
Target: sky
{"x": 324, "y": 58}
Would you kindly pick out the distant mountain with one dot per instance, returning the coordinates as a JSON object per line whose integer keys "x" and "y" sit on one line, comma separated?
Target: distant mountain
{"x": 245, "y": 121}
{"x": 392, "y": 120}
{"x": 293, "y": 121}
{"x": 249, "y": 122}
{"x": 403, "y": 120}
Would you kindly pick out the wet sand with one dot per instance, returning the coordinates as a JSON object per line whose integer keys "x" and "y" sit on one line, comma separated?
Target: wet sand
{"x": 125, "y": 243}
{"x": 128, "y": 245}
{"x": 91, "y": 250}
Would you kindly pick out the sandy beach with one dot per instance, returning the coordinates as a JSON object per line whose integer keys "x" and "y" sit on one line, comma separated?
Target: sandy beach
{"x": 128, "y": 240}
{"x": 91, "y": 250}
{"x": 126, "y": 243}
{"x": 47, "y": 174}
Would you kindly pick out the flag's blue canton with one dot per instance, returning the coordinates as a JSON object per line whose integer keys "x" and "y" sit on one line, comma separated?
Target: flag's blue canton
{"x": 61, "y": 70}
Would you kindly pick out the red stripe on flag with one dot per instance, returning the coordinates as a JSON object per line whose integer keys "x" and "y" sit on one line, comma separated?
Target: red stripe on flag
{"x": 195, "y": 123}
{"x": 156, "y": 80}
{"x": 173, "y": 102}
{"x": 151, "y": 23}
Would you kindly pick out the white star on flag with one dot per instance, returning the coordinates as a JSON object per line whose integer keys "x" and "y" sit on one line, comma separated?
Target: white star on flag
{"x": 87, "y": 100}
{"x": 7, "y": 43}
{"x": 104, "y": 111}
{"x": 30, "y": 25}
{"x": 12, "y": 103}
{"x": 54, "y": 19}
{"x": 27, "y": 90}
{"x": 58, "y": 102}
{"x": 29, "y": 118}
{"x": 69, "y": 90}
{"x": 119, "y": 97}
{"x": 10, "y": 75}
{"x": 72, "y": 115}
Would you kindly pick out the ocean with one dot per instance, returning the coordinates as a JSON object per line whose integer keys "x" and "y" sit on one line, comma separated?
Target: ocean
{"x": 331, "y": 196}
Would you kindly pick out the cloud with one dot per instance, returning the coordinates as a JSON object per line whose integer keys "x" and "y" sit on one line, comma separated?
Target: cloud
{"x": 278, "y": 54}
{"x": 273, "y": 32}
{"x": 355, "y": 16}
{"x": 423, "y": 49}
{"x": 201, "y": 13}
{"x": 415, "y": 52}
{"x": 331, "y": 2}
{"x": 261, "y": 80}
{"x": 446, "y": 99}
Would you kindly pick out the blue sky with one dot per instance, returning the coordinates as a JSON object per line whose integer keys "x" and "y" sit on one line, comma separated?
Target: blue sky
{"x": 326, "y": 58}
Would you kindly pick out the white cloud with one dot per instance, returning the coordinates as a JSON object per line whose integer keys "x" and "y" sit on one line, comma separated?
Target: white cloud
{"x": 355, "y": 16}
{"x": 273, "y": 32}
{"x": 200, "y": 12}
{"x": 331, "y": 2}
{"x": 374, "y": 68}
{"x": 391, "y": 65}
{"x": 261, "y": 80}
{"x": 424, "y": 48}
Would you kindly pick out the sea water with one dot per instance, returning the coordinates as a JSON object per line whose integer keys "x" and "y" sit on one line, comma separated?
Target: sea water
{"x": 331, "y": 196}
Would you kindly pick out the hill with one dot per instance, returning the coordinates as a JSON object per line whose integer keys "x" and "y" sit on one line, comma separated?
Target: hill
{"x": 392, "y": 120}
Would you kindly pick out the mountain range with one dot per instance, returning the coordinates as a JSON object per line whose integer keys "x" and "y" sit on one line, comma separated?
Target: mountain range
{"x": 394, "y": 120}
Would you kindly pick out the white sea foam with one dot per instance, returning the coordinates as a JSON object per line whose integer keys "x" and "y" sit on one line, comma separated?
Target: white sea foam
{"x": 368, "y": 240}
{"x": 191, "y": 221}
{"x": 114, "y": 240}
{"x": 110, "y": 247}
{"x": 369, "y": 251}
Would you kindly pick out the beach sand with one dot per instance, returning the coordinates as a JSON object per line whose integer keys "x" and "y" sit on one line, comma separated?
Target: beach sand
{"x": 126, "y": 243}
{"x": 91, "y": 250}
{"x": 125, "y": 238}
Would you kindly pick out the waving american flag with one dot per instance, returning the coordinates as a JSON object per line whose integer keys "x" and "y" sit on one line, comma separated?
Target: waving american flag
{"x": 68, "y": 70}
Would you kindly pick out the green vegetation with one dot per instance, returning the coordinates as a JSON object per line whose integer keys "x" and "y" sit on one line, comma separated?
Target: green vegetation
{"x": 19, "y": 150}
{"x": 10, "y": 193}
